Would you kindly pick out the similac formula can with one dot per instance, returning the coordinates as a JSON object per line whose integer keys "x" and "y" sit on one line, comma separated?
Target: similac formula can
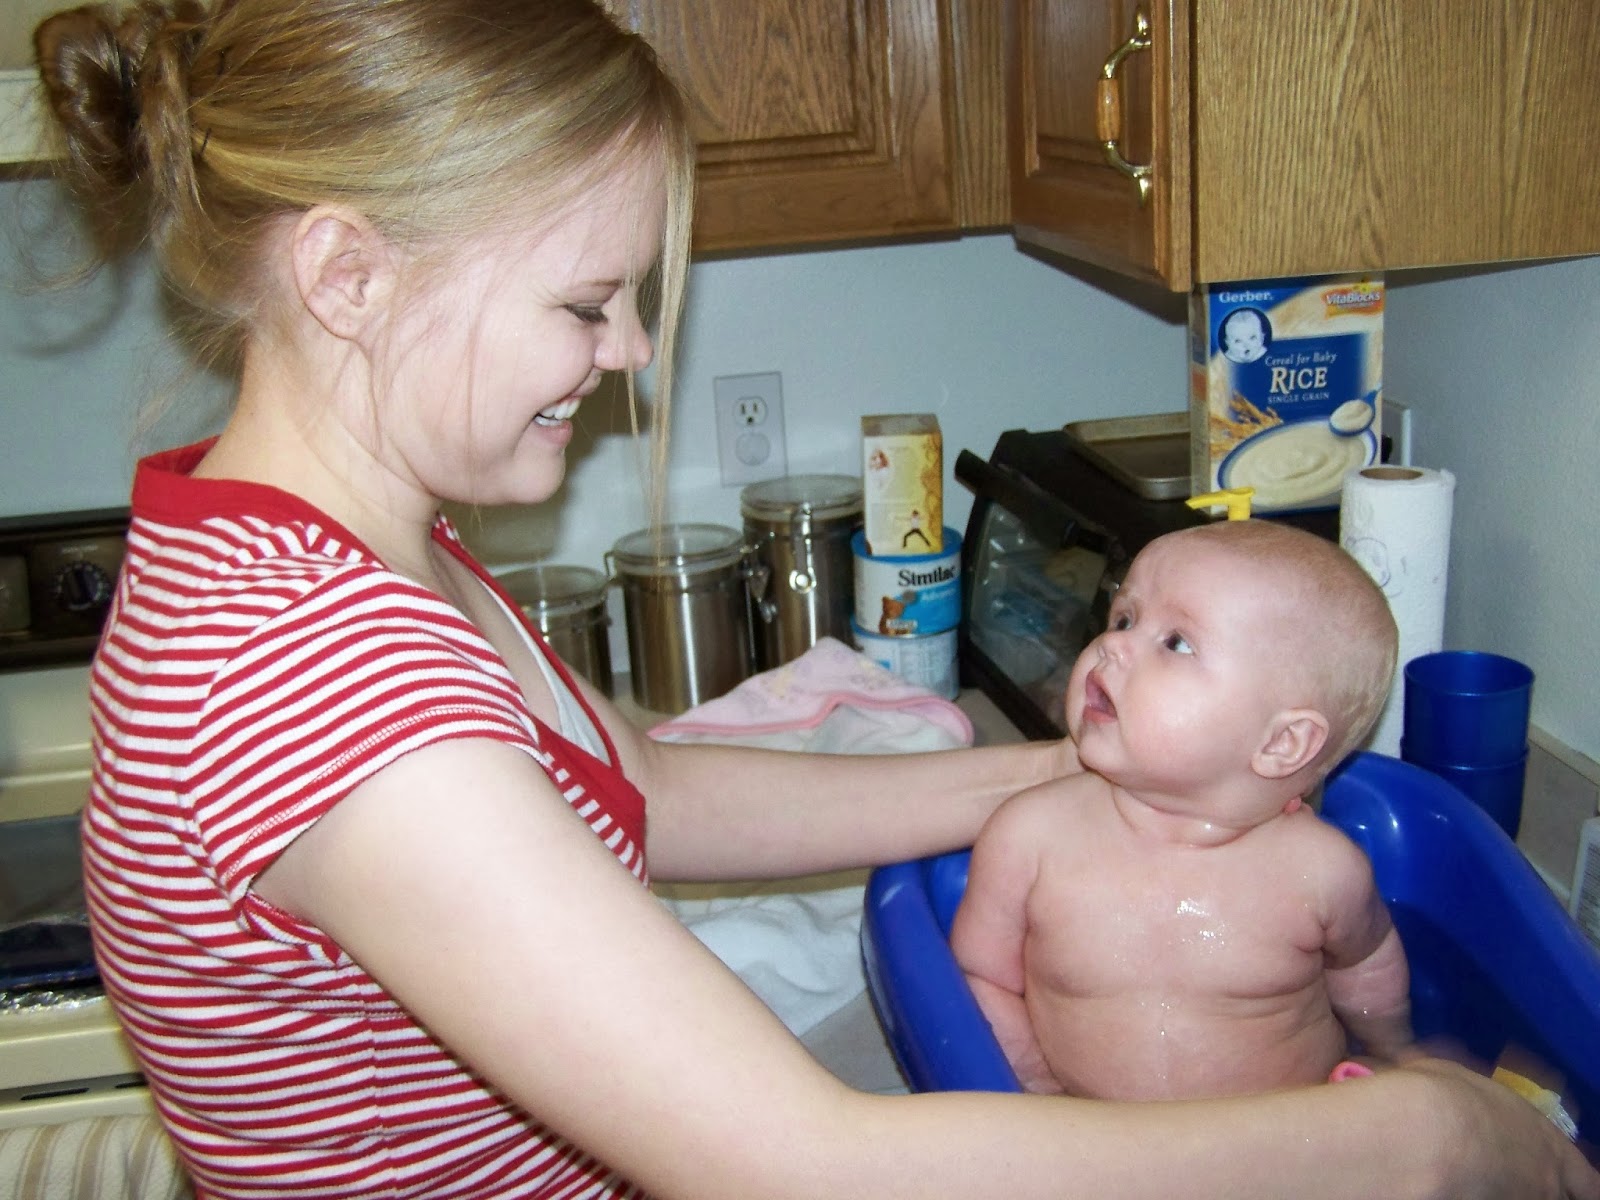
{"x": 907, "y": 595}
{"x": 927, "y": 660}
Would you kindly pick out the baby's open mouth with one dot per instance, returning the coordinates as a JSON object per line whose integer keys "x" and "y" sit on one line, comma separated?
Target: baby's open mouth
{"x": 1097, "y": 704}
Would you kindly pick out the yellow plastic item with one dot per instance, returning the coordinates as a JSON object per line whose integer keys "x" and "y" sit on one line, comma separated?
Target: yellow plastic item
{"x": 1237, "y": 499}
{"x": 1547, "y": 1102}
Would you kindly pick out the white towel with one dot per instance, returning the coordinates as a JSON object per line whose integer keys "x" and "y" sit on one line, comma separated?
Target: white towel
{"x": 799, "y": 951}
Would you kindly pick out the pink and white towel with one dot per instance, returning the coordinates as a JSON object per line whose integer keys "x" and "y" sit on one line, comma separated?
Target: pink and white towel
{"x": 830, "y": 700}
{"x": 798, "y": 945}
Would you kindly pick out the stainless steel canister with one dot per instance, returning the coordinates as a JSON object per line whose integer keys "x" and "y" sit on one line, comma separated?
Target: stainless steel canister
{"x": 683, "y": 597}
{"x": 798, "y": 531}
{"x": 568, "y": 604}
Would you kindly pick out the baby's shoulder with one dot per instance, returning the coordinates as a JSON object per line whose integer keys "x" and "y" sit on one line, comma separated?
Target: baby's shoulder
{"x": 1059, "y": 803}
{"x": 1321, "y": 849}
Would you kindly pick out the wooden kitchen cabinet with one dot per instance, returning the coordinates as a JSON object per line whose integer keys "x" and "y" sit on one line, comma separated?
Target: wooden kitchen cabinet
{"x": 1330, "y": 135}
{"x": 818, "y": 120}
{"x": 22, "y": 133}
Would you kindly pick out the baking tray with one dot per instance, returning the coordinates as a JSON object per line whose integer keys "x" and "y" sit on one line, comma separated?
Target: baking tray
{"x": 1150, "y": 454}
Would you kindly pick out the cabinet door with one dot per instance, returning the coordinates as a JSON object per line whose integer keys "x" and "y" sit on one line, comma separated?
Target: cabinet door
{"x": 1065, "y": 194}
{"x": 818, "y": 120}
{"x": 1318, "y": 137}
{"x": 1372, "y": 135}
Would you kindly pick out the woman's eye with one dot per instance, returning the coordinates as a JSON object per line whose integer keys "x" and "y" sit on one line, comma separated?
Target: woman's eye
{"x": 1178, "y": 644}
{"x": 589, "y": 314}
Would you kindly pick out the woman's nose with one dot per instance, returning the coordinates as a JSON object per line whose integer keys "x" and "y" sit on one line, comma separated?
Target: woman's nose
{"x": 626, "y": 346}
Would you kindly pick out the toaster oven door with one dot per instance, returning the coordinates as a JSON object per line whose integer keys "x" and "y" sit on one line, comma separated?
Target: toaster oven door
{"x": 1036, "y": 580}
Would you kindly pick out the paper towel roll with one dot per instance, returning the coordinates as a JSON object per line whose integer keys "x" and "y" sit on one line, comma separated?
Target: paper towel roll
{"x": 1395, "y": 521}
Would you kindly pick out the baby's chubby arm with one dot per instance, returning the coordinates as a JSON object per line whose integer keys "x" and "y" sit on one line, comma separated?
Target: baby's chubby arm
{"x": 1366, "y": 974}
{"x": 990, "y": 928}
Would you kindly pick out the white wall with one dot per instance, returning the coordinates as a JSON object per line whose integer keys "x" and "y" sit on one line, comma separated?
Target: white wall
{"x": 1500, "y": 368}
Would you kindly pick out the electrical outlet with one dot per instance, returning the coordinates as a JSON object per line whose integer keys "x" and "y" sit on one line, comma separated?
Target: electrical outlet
{"x": 750, "y": 445}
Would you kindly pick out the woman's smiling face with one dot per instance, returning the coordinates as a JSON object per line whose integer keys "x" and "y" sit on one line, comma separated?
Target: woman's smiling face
{"x": 486, "y": 368}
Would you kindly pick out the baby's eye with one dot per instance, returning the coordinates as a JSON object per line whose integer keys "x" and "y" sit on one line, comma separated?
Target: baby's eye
{"x": 589, "y": 314}
{"x": 1178, "y": 644}
{"x": 1121, "y": 622}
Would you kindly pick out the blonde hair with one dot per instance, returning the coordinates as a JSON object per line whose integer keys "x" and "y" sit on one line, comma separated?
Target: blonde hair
{"x": 194, "y": 129}
{"x": 1343, "y": 632}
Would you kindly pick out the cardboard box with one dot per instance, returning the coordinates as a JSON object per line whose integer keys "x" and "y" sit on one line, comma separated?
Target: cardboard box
{"x": 902, "y": 466}
{"x": 1285, "y": 387}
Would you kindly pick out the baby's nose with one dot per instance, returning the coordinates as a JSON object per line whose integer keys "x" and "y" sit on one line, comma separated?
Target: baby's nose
{"x": 1112, "y": 645}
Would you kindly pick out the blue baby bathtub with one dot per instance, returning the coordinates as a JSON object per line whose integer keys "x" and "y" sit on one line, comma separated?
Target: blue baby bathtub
{"x": 1496, "y": 962}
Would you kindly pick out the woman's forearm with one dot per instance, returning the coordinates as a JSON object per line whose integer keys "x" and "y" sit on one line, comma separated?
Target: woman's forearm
{"x": 723, "y": 812}
{"x": 1400, "y": 1136}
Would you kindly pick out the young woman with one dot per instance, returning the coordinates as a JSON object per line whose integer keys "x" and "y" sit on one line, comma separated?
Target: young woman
{"x": 365, "y": 863}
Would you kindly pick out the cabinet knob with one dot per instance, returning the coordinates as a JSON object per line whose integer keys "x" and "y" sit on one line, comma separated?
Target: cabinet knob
{"x": 1108, "y": 108}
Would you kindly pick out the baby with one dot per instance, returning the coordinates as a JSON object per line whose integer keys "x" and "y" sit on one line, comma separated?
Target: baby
{"x": 1173, "y": 922}
{"x": 1243, "y": 338}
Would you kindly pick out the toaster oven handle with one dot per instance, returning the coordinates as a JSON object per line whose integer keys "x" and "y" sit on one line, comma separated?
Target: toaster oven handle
{"x": 1047, "y": 518}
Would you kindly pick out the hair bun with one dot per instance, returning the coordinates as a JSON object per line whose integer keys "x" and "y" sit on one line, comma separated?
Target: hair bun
{"x": 116, "y": 83}
{"x": 89, "y": 63}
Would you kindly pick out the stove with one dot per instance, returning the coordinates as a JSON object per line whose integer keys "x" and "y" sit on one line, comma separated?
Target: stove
{"x": 62, "y": 1053}
{"x": 57, "y": 572}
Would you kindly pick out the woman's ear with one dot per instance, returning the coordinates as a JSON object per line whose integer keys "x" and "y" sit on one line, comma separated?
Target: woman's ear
{"x": 343, "y": 269}
{"x": 1294, "y": 739}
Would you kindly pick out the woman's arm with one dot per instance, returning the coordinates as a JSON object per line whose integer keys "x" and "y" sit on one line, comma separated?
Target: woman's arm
{"x": 503, "y": 925}
{"x": 734, "y": 812}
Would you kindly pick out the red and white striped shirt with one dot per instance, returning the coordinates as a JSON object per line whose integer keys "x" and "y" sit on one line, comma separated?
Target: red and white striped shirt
{"x": 257, "y": 666}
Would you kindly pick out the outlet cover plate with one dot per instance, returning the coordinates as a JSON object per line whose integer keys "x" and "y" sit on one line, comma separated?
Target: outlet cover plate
{"x": 750, "y": 441}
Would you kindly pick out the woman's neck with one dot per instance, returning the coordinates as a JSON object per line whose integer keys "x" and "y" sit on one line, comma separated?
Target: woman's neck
{"x": 284, "y": 434}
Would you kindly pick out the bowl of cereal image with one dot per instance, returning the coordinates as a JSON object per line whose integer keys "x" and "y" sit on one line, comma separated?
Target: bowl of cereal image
{"x": 1354, "y": 417}
{"x": 1299, "y": 464}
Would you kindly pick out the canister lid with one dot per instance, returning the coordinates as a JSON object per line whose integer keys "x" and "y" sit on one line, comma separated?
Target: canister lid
{"x": 673, "y": 549}
{"x": 824, "y": 496}
{"x": 555, "y": 589}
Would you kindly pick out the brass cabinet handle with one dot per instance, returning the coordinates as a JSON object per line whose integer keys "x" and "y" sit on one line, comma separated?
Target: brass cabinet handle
{"x": 1108, "y": 108}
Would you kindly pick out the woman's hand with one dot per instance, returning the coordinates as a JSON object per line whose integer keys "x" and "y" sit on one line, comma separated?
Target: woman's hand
{"x": 1507, "y": 1148}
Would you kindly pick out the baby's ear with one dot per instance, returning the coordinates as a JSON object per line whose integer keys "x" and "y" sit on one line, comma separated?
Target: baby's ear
{"x": 342, "y": 268}
{"x": 1294, "y": 739}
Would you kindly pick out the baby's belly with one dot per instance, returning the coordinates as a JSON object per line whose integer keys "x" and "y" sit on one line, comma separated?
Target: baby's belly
{"x": 1163, "y": 1046}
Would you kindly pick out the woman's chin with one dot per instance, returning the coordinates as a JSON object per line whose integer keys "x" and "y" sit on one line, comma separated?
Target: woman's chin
{"x": 522, "y": 487}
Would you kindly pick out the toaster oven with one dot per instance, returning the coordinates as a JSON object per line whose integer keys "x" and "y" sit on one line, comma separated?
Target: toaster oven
{"x": 1057, "y": 516}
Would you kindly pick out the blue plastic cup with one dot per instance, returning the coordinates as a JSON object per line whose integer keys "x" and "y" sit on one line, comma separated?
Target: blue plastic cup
{"x": 1497, "y": 789}
{"x": 1466, "y": 708}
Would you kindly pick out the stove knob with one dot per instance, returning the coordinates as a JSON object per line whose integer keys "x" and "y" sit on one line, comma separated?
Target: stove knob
{"x": 81, "y": 586}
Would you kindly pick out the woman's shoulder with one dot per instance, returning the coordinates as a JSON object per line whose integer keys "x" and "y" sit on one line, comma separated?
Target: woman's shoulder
{"x": 248, "y": 567}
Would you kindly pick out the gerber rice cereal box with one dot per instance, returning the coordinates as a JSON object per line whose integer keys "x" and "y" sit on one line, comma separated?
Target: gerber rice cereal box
{"x": 1285, "y": 387}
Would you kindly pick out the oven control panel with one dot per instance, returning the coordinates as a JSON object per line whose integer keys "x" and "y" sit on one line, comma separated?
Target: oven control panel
{"x": 58, "y": 574}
